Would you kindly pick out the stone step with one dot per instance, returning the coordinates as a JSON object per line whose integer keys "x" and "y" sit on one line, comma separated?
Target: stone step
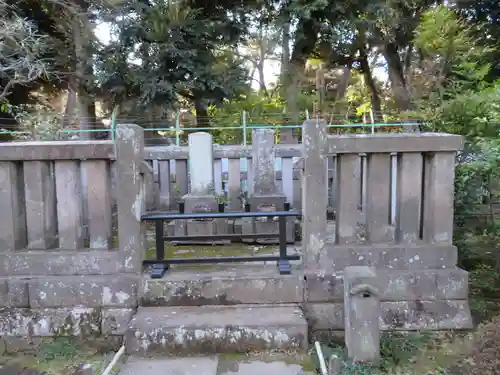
{"x": 216, "y": 329}
{"x": 235, "y": 285}
{"x": 222, "y": 285}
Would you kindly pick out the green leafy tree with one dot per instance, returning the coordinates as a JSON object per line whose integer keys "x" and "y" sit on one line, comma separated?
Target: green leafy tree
{"x": 164, "y": 54}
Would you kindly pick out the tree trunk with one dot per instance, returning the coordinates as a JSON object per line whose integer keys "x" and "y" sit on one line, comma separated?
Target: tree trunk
{"x": 305, "y": 41}
{"x": 285, "y": 55}
{"x": 202, "y": 119}
{"x": 84, "y": 73}
{"x": 320, "y": 87}
{"x": 344, "y": 82}
{"x": 262, "y": 80}
{"x": 396, "y": 76}
{"x": 370, "y": 84}
{"x": 262, "y": 58}
{"x": 71, "y": 103}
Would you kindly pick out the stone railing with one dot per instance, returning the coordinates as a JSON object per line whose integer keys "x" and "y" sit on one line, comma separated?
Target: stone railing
{"x": 232, "y": 174}
{"x": 56, "y": 195}
{"x": 392, "y": 189}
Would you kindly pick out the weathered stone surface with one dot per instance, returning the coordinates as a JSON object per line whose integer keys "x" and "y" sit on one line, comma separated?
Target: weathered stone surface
{"x": 14, "y": 292}
{"x": 98, "y": 193}
{"x": 60, "y": 262}
{"x": 205, "y": 203}
{"x": 116, "y": 321}
{"x": 131, "y": 198}
{"x": 347, "y": 199}
{"x": 393, "y": 142}
{"x": 68, "y": 185}
{"x": 362, "y": 314}
{"x": 220, "y": 152}
{"x": 41, "y": 214}
{"x": 89, "y": 291}
{"x": 263, "y": 162}
{"x": 315, "y": 188}
{"x": 216, "y": 329}
{"x": 395, "y": 285}
{"x": 409, "y": 197}
{"x": 390, "y": 256}
{"x": 201, "y": 166}
{"x": 49, "y": 322}
{"x": 12, "y": 206}
{"x": 402, "y": 315}
{"x": 227, "y": 286}
{"x": 254, "y": 367}
{"x": 378, "y": 198}
{"x": 438, "y": 202}
{"x": 57, "y": 150}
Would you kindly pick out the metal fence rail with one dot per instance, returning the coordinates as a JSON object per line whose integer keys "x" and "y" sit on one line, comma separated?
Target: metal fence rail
{"x": 161, "y": 265}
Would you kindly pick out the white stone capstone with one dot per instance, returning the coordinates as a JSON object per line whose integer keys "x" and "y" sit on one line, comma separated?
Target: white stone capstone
{"x": 201, "y": 165}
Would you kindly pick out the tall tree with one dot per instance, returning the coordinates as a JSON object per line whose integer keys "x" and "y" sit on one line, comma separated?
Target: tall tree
{"x": 485, "y": 14}
{"x": 166, "y": 51}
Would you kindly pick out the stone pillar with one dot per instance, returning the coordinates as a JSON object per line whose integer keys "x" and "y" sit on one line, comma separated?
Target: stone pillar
{"x": 362, "y": 314}
{"x": 41, "y": 214}
{"x": 201, "y": 165}
{"x": 201, "y": 197}
{"x": 131, "y": 198}
{"x": 265, "y": 195}
{"x": 314, "y": 192}
{"x": 438, "y": 197}
{"x": 13, "y": 207}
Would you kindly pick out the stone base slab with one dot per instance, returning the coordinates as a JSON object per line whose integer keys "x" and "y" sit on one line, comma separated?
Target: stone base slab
{"x": 206, "y": 203}
{"x": 401, "y": 315}
{"x": 254, "y": 284}
{"x": 276, "y": 200}
{"x": 229, "y": 285}
{"x": 216, "y": 329}
{"x": 251, "y": 226}
{"x": 60, "y": 262}
{"x": 395, "y": 285}
{"x": 70, "y": 321}
{"x": 117, "y": 291}
{"x": 396, "y": 257}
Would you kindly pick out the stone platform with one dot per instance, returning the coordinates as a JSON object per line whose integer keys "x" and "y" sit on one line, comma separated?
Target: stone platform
{"x": 226, "y": 300}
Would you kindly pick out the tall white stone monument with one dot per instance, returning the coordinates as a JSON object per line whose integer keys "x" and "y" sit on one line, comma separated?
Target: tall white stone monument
{"x": 201, "y": 196}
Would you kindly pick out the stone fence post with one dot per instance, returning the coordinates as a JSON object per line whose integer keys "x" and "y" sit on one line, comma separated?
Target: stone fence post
{"x": 131, "y": 200}
{"x": 314, "y": 191}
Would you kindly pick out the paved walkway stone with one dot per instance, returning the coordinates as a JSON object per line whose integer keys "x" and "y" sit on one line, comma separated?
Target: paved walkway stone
{"x": 241, "y": 367}
{"x": 171, "y": 366}
{"x": 211, "y": 366}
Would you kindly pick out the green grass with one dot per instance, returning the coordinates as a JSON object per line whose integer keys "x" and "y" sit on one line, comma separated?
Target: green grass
{"x": 60, "y": 356}
{"x": 205, "y": 251}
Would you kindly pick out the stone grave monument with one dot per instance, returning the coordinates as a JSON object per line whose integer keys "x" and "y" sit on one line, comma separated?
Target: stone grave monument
{"x": 265, "y": 197}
